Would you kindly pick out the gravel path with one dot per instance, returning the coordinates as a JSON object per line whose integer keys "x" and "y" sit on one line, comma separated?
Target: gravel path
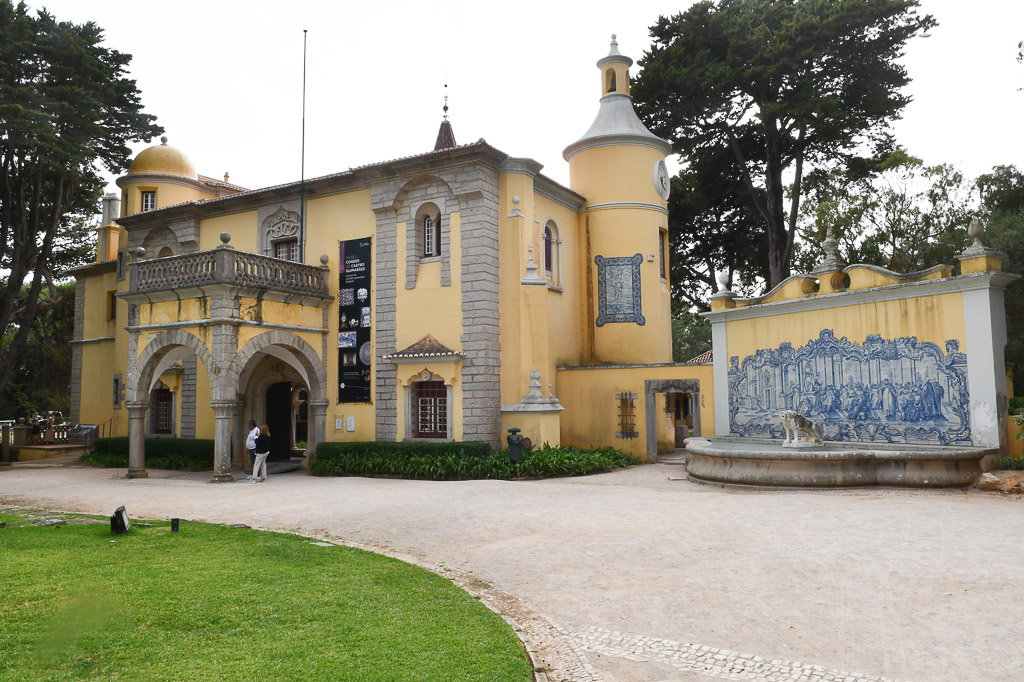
{"x": 642, "y": 575}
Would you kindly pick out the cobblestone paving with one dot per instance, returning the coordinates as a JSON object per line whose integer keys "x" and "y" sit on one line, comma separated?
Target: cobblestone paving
{"x": 709, "y": 661}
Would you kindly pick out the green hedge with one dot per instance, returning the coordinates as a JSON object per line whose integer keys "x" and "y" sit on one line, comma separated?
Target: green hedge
{"x": 459, "y": 461}
{"x": 161, "y": 453}
{"x": 1016, "y": 404}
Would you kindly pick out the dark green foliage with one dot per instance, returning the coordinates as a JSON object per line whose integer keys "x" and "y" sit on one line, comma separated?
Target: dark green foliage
{"x": 443, "y": 462}
{"x": 691, "y": 336}
{"x": 1015, "y": 463}
{"x": 161, "y": 453}
{"x": 1016, "y": 404}
{"x": 66, "y": 110}
{"x": 41, "y": 380}
{"x": 779, "y": 85}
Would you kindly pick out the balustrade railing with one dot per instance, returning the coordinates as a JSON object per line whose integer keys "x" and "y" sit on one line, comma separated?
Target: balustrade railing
{"x": 227, "y": 266}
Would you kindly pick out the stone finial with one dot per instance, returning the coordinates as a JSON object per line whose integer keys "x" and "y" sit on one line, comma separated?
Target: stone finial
{"x": 139, "y": 253}
{"x": 163, "y": 139}
{"x": 614, "y": 48}
{"x": 987, "y": 259}
{"x": 723, "y": 281}
{"x": 533, "y": 276}
{"x": 225, "y": 237}
{"x": 831, "y": 262}
{"x": 323, "y": 259}
{"x": 535, "y": 396}
{"x": 977, "y": 231}
{"x": 516, "y": 213}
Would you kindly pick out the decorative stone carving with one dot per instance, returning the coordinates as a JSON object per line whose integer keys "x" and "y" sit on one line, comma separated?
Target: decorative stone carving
{"x": 793, "y": 422}
{"x": 281, "y": 224}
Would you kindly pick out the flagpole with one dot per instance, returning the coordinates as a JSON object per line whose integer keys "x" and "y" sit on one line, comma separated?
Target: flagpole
{"x": 302, "y": 172}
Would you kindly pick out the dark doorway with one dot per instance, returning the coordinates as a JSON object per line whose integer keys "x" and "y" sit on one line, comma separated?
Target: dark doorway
{"x": 279, "y": 419}
{"x": 302, "y": 417}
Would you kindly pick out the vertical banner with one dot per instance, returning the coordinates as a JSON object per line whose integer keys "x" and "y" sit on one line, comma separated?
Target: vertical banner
{"x": 355, "y": 357}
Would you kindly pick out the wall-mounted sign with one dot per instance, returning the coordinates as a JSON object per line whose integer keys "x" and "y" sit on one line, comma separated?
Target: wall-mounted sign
{"x": 355, "y": 354}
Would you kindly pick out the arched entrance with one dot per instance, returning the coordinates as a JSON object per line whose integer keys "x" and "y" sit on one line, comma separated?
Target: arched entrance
{"x": 280, "y": 381}
{"x": 161, "y": 353}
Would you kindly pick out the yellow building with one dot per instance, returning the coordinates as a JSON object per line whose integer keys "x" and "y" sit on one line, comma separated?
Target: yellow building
{"x": 449, "y": 295}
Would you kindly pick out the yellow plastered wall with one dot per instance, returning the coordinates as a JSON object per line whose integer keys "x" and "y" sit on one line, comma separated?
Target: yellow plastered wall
{"x": 181, "y": 310}
{"x": 512, "y": 244}
{"x": 241, "y": 227}
{"x": 430, "y": 307}
{"x": 591, "y": 416}
{"x": 330, "y": 220}
{"x": 540, "y": 427}
{"x": 97, "y": 402}
{"x": 97, "y": 321}
{"x": 167, "y": 194}
{"x": 256, "y": 310}
{"x": 932, "y": 318}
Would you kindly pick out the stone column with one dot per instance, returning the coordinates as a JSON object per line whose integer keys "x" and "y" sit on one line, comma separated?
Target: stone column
{"x": 137, "y": 439}
{"x": 239, "y": 455}
{"x": 222, "y": 411}
{"x": 317, "y": 426}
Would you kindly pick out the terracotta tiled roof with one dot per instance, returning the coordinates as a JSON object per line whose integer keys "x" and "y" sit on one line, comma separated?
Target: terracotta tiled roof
{"x": 88, "y": 266}
{"x": 427, "y": 347}
{"x": 702, "y": 359}
{"x": 214, "y": 182}
{"x": 445, "y": 137}
{"x": 481, "y": 143}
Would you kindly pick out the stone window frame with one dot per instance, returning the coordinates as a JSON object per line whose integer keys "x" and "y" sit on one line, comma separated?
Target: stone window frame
{"x": 553, "y": 275}
{"x": 279, "y": 223}
{"x": 449, "y": 408}
{"x": 119, "y": 389}
{"x": 663, "y": 253}
{"x": 415, "y": 239}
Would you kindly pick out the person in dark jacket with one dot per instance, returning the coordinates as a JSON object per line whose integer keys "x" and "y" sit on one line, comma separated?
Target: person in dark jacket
{"x": 259, "y": 467}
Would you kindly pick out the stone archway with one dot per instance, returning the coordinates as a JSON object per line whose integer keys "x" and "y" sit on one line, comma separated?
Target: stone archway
{"x": 162, "y": 351}
{"x": 652, "y": 387}
{"x": 300, "y": 357}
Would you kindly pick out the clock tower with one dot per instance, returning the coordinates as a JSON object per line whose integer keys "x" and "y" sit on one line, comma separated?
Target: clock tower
{"x": 619, "y": 166}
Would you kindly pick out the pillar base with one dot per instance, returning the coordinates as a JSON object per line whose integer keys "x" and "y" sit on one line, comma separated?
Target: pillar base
{"x": 137, "y": 473}
{"x": 225, "y": 477}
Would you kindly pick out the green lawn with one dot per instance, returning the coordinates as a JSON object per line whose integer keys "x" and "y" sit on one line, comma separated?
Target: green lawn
{"x": 217, "y": 603}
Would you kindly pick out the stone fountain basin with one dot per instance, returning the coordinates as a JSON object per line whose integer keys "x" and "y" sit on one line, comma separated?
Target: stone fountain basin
{"x": 745, "y": 461}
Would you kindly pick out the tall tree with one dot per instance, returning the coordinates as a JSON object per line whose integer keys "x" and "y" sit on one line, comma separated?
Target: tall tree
{"x": 66, "y": 108}
{"x": 811, "y": 81}
{"x": 905, "y": 216}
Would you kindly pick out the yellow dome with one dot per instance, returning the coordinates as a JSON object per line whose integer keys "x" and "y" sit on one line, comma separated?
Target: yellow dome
{"x": 163, "y": 160}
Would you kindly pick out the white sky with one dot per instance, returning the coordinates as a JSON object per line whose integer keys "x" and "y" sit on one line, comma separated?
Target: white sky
{"x": 224, "y": 78}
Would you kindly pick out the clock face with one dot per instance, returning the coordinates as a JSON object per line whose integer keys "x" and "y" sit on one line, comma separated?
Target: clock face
{"x": 661, "y": 180}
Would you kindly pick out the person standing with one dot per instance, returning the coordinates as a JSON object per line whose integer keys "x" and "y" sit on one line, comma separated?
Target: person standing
{"x": 259, "y": 467}
{"x": 250, "y": 441}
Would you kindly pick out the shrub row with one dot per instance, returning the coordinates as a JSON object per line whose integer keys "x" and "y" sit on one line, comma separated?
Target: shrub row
{"x": 1016, "y": 404}
{"x": 161, "y": 453}
{"x": 455, "y": 461}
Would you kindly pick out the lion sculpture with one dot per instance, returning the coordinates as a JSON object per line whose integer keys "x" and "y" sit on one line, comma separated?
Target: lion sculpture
{"x": 795, "y": 423}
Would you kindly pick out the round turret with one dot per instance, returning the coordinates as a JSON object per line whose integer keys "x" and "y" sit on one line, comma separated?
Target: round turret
{"x": 163, "y": 159}
{"x": 619, "y": 166}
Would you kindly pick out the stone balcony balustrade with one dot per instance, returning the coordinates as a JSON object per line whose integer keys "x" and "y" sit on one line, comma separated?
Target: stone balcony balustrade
{"x": 226, "y": 265}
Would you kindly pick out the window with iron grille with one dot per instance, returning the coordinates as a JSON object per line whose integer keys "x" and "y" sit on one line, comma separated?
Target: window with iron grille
{"x": 627, "y": 415}
{"x": 163, "y": 414}
{"x": 429, "y": 409}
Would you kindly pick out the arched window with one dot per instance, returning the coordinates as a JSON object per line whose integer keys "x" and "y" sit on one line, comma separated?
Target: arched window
{"x": 165, "y": 252}
{"x": 611, "y": 80}
{"x": 552, "y": 254}
{"x": 432, "y": 235}
{"x": 549, "y": 251}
